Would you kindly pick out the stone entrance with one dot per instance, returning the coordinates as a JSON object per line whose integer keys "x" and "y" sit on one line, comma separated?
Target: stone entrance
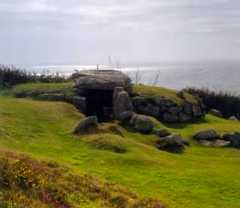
{"x": 97, "y": 88}
{"x": 99, "y": 103}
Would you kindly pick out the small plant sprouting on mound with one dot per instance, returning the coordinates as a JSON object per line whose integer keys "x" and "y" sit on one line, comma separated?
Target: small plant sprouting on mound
{"x": 25, "y": 182}
{"x": 108, "y": 142}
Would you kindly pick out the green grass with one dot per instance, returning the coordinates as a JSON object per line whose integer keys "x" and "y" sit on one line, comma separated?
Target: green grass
{"x": 201, "y": 177}
{"x": 152, "y": 91}
{"x": 65, "y": 88}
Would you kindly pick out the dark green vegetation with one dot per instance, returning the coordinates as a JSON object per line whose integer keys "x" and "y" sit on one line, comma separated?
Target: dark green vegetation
{"x": 35, "y": 90}
{"x": 10, "y": 76}
{"x": 200, "y": 177}
{"x": 227, "y": 103}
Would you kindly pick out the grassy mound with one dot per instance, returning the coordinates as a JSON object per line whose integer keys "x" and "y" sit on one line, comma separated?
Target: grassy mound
{"x": 108, "y": 142}
{"x": 35, "y": 89}
{"x": 202, "y": 176}
{"x": 29, "y": 183}
{"x": 152, "y": 91}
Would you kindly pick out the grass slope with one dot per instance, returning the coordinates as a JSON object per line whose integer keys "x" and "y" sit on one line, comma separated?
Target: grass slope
{"x": 152, "y": 91}
{"x": 26, "y": 182}
{"x": 201, "y": 177}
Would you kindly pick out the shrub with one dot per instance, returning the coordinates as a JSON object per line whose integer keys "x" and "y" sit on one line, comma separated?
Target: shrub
{"x": 10, "y": 76}
{"x": 227, "y": 103}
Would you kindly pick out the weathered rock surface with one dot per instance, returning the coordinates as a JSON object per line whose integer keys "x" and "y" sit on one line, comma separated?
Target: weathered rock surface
{"x": 79, "y": 103}
{"x": 141, "y": 123}
{"x": 121, "y": 103}
{"x": 221, "y": 143}
{"x": 233, "y": 118}
{"x": 216, "y": 143}
{"x": 167, "y": 110}
{"x": 102, "y": 80}
{"x": 87, "y": 125}
{"x": 216, "y": 113}
{"x": 208, "y": 135}
{"x": 172, "y": 143}
{"x": 233, "y": 138}
{"x": 125, "y": 117}
{"x": 170, "y": 117}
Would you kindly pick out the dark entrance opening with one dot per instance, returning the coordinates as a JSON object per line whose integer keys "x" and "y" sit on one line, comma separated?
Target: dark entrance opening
{"x": 100, "y": 104}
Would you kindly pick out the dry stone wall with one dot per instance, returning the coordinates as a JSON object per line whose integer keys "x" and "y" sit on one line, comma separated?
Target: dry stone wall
{"x": 167, "y": 110}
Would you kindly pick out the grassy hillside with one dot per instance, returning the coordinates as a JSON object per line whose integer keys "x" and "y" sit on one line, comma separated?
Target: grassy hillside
{"x": 201, "y": 177}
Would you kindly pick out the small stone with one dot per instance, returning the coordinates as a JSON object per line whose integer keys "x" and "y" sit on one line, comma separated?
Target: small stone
{"x": 87, "y": 125}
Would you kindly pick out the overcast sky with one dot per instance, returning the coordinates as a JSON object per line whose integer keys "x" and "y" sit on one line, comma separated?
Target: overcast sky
{"x": 89, "y": 31}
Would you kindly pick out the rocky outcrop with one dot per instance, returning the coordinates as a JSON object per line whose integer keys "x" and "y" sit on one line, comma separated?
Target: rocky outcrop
{"x": 211, "y": 138}
{"x": 167, "y": 110}
{"x": 102, "y": 80}
{"x": 173, "y": 143}
{"x": 208, "y": 135}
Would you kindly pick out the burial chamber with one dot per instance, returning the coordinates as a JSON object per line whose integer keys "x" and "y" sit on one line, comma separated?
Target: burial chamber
{"x": 97, "y": 87}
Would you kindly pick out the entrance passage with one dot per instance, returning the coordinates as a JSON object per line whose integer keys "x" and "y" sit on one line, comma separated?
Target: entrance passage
{"x": 100, "y": 104}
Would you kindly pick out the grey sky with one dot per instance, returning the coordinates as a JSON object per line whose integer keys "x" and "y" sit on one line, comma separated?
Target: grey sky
{"x": 88, "y": 31}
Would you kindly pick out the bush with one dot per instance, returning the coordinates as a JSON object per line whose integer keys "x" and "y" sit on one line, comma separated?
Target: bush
{"x": 227, "y": 103}
{"x": 10, "y": 76}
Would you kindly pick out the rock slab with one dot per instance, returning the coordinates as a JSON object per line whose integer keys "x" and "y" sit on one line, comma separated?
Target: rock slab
{"x": 102, "y": 80}
{"x": 173, "y": 143}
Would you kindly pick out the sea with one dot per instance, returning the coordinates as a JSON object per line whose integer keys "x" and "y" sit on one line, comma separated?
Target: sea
{"x": 216, "y": 76}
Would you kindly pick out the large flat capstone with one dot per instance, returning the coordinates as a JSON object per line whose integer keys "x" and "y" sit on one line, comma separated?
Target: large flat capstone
{"x": 102, "y": 80}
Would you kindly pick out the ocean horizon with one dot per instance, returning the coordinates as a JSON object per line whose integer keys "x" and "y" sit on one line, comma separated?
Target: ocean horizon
{"x": 217, "y": 76}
